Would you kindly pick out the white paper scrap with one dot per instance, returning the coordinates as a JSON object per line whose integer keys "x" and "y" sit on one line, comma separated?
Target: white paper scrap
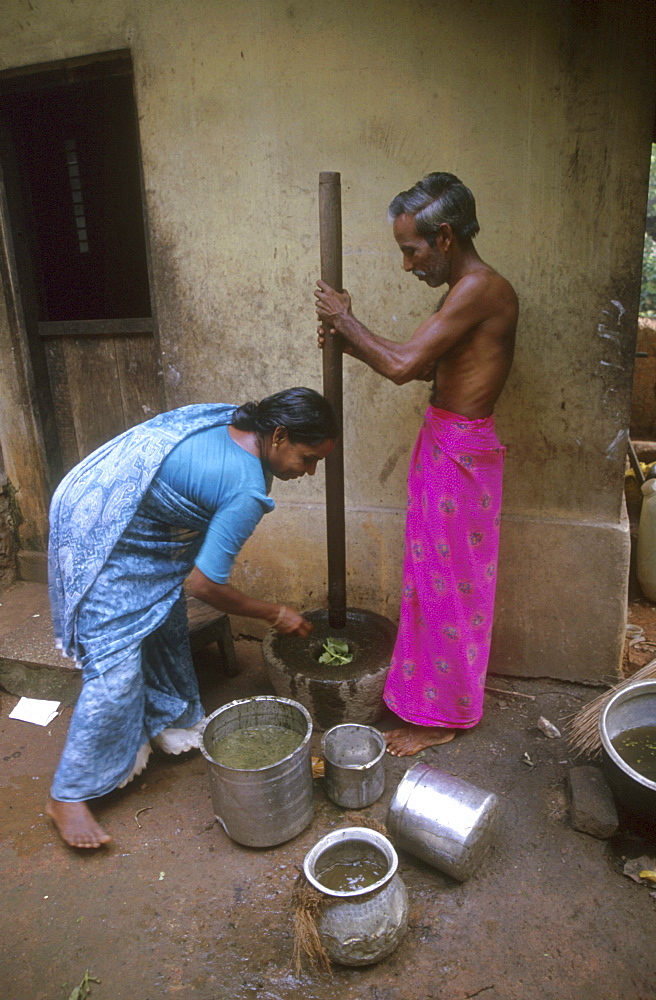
{"x": 36, "y": 710}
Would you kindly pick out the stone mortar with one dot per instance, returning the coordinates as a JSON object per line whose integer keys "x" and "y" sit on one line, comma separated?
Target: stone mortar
{"x": 334, "y": 695}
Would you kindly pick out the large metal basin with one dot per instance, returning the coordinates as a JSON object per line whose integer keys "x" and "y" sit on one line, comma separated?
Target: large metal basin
{"x": 628, "y": 708}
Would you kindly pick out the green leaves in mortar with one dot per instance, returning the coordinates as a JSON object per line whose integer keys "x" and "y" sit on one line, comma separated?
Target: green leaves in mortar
{"x": 335, "y": 653}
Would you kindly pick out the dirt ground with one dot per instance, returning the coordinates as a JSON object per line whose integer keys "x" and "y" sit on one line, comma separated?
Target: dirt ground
{"x": 173, "y": 907}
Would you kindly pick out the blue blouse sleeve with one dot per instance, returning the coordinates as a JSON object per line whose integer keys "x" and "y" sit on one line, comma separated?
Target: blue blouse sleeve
{"x": 230, "y": 527}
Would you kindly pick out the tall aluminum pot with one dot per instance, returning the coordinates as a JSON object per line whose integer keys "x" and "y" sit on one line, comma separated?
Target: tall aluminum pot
{"x": 354, "y": 758}
{"x": 629, "y": 708}
{"x": 359, "y": 926}
{"x": 264, "y": 806}
{"x": 443, "y": 820}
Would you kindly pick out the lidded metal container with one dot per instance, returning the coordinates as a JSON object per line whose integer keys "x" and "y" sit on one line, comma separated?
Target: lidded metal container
{"x": 354, "y": 765}
{"x": 261, "y": 807}
{"x": 443, "y": 820}
{"x": 358, "y": 926}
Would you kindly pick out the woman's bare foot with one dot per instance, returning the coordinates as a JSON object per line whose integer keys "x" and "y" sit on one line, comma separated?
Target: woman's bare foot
{"x": 410, "y": 739}
{"x": 75, "y": 824}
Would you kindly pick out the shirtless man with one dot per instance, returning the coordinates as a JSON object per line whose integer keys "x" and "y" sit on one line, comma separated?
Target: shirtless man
{"x": 437, "y": 674}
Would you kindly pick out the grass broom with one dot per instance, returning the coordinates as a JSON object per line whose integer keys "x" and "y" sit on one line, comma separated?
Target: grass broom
{"x": 583, "y": 727}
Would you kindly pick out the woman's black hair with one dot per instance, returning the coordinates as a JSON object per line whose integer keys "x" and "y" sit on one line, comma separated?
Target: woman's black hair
{"x": 305, "y": 414}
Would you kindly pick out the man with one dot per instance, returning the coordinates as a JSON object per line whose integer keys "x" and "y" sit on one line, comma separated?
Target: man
{"x": 437, "y": 673}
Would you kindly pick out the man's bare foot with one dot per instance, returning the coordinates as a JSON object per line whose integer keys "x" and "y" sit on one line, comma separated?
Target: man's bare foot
{"x": 75, "y": 824}
{"x": 410, "y": 739}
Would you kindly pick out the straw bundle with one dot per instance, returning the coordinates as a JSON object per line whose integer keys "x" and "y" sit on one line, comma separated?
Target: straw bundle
{"x": 583, "y": 736}
{"x": 306, "y": 903}
{"x": 370, "y": 824}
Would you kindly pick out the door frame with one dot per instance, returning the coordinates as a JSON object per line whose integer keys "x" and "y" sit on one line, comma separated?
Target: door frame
{"x": 32, "y": 453}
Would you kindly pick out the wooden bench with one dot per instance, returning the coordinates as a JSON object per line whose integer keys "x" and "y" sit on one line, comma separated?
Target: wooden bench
{"x": 207, "y": 625}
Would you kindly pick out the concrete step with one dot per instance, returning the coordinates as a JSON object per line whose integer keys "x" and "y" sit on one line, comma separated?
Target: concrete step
{"x": 30, "y": 664}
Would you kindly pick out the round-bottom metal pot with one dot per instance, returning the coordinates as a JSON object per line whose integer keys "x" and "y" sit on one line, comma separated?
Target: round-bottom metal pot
{"x": 364, "y": 925}
{"x": 261, "y": 807}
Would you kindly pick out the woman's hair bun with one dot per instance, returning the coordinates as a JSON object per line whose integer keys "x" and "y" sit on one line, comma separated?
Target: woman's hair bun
{"x": 305, "y": 414}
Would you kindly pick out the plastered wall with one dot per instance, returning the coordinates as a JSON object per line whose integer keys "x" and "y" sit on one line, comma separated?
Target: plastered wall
{"x": 544, "y": 109}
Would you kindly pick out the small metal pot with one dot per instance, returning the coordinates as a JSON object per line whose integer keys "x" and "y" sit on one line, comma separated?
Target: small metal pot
{"x": 628, "y": 708}
{"x": 359, "y": 926}
{"x": 354, "y": 765}
{"x": 442, "y": 820}
{"x": 262, "y": 806}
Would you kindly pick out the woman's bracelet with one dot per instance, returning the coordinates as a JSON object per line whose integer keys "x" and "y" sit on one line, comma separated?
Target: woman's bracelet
{"x": 280, "y": 616}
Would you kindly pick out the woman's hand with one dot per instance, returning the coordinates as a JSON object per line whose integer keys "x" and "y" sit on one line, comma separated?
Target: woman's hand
{"x": 289, "y": 622}
{"x": 225, "y": 598}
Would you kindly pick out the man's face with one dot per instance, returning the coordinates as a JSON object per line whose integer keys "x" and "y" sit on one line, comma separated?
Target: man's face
{"x": 429, "y": 264}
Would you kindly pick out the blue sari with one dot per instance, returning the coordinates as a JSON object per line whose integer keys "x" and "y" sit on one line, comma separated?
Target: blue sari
{"x": 121, "y": 544}
{"x": 95, "y": 502}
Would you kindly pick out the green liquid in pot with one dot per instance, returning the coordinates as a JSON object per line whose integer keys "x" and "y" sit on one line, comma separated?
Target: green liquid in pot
{"x": 255, "y": 747}
{"x": 637, "y": 747}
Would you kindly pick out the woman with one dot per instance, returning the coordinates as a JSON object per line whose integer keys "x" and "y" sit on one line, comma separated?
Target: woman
{"x": 174, "y": 497}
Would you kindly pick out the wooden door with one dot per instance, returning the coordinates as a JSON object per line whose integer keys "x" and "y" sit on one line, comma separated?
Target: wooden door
{"x": 71, "y": 167}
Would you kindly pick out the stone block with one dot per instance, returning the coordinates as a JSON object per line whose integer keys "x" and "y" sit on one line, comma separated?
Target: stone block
{"x": 33, "y": 566}
{"x": 592, "y": 807}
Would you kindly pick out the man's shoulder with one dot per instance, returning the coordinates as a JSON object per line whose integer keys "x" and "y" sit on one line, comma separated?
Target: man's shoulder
{"x": 486, "y": 284}
{"x": 485, "y": 277}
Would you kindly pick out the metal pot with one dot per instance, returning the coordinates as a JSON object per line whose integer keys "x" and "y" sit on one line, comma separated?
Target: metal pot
{"x": 628, "y": 708}
{"x": 264, "y": 806}
{"x": 359, "y": 926}
{"x": 354, "y": 765}
{"x": 442, "y": 820}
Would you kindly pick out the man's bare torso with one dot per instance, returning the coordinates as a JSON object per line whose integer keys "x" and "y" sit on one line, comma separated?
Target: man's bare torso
{"x": 469, "y": 376}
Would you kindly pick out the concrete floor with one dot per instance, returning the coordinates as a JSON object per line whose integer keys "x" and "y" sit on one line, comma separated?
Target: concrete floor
{"x": 173, "y": 907}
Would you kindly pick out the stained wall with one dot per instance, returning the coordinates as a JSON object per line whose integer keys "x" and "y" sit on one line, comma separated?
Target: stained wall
{"x": 544, "y": 109}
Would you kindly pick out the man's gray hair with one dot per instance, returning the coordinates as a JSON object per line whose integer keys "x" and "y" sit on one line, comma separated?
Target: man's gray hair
{"x": 436, "y": 199}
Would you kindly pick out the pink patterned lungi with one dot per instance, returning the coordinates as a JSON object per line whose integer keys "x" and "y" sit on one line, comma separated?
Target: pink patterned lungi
{"x": 437, "y": 673}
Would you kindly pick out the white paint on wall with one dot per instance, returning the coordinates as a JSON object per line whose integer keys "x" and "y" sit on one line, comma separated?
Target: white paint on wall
{"x": 617, "y": 447}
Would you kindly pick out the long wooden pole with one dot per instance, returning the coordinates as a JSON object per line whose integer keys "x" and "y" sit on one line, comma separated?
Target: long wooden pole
{"x": 330, "y": 240}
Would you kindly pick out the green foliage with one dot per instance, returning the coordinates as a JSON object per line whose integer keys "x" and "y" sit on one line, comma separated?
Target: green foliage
{"x": 336, "y": 653}
{"x": 82, "y": 991}
{"x": 648, "y": 286}
{"x": 651, "y": 197}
